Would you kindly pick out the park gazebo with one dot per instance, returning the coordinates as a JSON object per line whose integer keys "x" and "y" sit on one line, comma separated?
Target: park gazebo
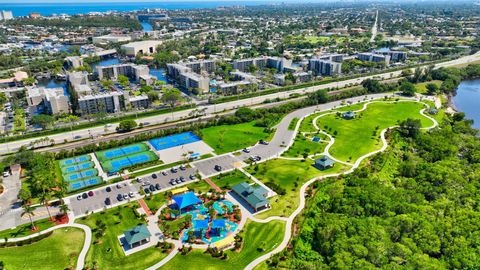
{"x": 324, "y": 163}
{"x": 348, "y": 115}
{"x": 186, "y": 201}
{"x": 137, "y": 236}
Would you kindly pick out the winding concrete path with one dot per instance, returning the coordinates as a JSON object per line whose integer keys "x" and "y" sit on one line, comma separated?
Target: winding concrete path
{"x": 291, "y": 218}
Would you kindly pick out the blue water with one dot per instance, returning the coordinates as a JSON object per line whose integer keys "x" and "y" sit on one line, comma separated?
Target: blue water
{"x": 105, "y": 62}
{"x": 146, "y": 26}
{"x": 24, "y": 9}
{"x": 53, "y": 83}
{"x": 467, "y": 100}
{"x": 159, "y": 73}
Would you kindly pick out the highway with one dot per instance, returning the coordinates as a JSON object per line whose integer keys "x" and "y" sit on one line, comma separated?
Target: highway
{"x": 211, "y": 110}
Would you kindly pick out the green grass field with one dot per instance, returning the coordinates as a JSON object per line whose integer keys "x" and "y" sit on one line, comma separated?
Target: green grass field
{"x": 228, "y": 180}
{"x": 357, "y": 137}
{"x": 422, "y": 89}
{"x": 258, "y": 238}
{"x": 25, "y": 229}
{"x": 107, "y": 253}
{"x": 58, "y": 251}
{"x": 307, "y": 123}
{"x": 304, "y": 144}
{"x": 228, "y": 138}
{"x": 290, "y": 175}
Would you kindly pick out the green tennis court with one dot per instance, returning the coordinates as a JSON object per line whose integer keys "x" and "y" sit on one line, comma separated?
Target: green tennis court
{"x": 117, "y": 164}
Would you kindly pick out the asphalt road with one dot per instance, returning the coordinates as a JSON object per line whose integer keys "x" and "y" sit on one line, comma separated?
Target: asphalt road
{"x": 212, "y": 109}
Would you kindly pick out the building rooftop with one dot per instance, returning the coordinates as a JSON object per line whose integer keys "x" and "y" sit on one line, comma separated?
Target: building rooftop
{"x": 254, "y": 196}
{"x": 137, "y": 234}
{"x": 186, "y": 199}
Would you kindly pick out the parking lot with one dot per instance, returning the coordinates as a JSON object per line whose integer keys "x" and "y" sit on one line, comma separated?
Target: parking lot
{"x": 207, "y": 167}
{"x": 164, "y": 180}
{"x": 100, "y": 195}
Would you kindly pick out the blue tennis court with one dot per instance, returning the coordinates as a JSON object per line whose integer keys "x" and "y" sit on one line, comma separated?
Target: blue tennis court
{"x": 78, "y": 167}
{"x": 76, "y": 185}
{"x": 174, "y": 140}
{"x": 81, "y": 174}
{"x": 84, "y": 183}
{"x": 136, "y": 159}
{"x": 74, "y": 160}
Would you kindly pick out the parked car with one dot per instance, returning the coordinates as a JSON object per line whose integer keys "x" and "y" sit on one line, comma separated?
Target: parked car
{"x": 246, "y": 150}
{"x": 125, "y": 196}
{"x": 172, "y": 182}
{"x": 119, "y": 186}
{"x": 182, "y": 167}
{"x": 108, "y": 189}
{"x": 178, "y": 181}
{"x": 164, "y": 173}
{"x": 90, "y": 193}
{"x": 263, "y": 142}
{"x": 84, "y": 195}
{"x": 158, "y": 187}
{"x": 218, "y": 168}
{"x": 181, "y": 178}
{"x": 107, "y": 201}
{"x": 130, "y": 194}
{"x": 79, "y": 197}
{"x": 154, "y": 176}
{"x": 173, "y": 170}
{"x": 146, "y": 190}
{"x": 119, "y": 197}
{"x": 192, "y": 176}
{"x": 139, "y": 180}
{"x": 152, "y": 188}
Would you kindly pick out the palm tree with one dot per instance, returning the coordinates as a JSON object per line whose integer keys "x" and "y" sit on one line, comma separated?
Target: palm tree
{"x": 28, "y": 210}
{"x": 64, "y": 209}
{"x": 44, "y": 199}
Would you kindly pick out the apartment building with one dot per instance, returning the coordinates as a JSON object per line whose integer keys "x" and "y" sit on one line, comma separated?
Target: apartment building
{"x": 47, "y": 100}
{"x": 373, "y": 57}
{"x": 202, "y": 66}
{"x": 187, "y": 79}
{"x": 110, "y": 39}
{"x": 131, "y": 71}
{"x": 321, "y": 67}
{"x": 6, "y": 15}
{"x": 110, "y": 102}
{"x": 395, "y": 56}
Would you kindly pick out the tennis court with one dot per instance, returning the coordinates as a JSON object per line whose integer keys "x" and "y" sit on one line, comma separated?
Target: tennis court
{"x": 74, "y": 160}
{"x": 77, "y": 167}
{"x": 84, "y": 183}
{"x": 121, "y": 151}
{"x": 117, "y": 164}
{"x": 174, "y": 140}
{"x": 72, "y": 177}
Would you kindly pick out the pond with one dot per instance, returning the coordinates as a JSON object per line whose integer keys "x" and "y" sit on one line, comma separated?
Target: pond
{"x": 467, "y": 100}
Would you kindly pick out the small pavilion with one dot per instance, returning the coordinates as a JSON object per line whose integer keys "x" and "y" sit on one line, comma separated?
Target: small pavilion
{"x": 348, "y": 115}
{"x": 324, "y": 163}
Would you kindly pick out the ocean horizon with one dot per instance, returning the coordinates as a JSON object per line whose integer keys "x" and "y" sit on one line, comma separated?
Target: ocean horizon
{"x": 46, "y": 9}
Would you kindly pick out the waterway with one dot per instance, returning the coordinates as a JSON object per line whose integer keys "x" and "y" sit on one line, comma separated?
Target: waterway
{"x": 467, "y": 100}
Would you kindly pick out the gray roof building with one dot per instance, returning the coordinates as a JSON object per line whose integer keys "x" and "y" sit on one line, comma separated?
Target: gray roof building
{"x": 137, "y": 236}
{"x": 324, "y": 163}
{"x": 254, "y": 197}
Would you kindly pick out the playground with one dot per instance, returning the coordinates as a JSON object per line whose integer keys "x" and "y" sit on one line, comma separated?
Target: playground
{"x": 207, "y": 221}
{"x": 114, "y": 160}
{"x": 79, "y": 172}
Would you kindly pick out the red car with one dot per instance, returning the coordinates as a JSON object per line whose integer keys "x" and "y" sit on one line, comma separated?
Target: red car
{"x": 90, "y": 193}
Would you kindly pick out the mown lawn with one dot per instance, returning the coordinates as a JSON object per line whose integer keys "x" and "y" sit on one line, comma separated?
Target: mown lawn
{"x": 303, "y": 145}
{"x": 25, "y": 229}
{"x": 259, "y": 238}
{"x": 58, "y": 251}
{"x": 289, "y": 175}
{"x": 228, "y": 138}
{"x": 227, "y": 180}
{"x": 107, "y": 252}
{"x": 357, "y": 137}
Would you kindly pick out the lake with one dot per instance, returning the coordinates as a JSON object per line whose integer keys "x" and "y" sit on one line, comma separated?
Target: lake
{"x": 467, "y": 100}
